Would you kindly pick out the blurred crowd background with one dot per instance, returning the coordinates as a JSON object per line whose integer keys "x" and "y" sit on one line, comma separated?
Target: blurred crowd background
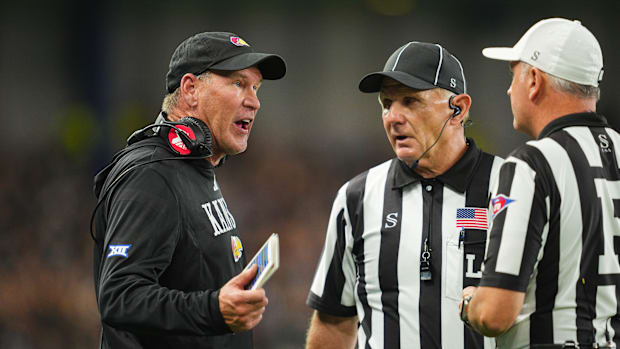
{"x": 77, "y": 77}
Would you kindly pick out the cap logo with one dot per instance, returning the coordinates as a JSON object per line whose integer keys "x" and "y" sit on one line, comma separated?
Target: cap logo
{"x": 535, "y": 55}
{"x": 237, "y": 41}
{"x": 452, "y": 82}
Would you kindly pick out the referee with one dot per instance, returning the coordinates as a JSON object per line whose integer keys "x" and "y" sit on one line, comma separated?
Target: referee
{"x": 406, "y": 236}
{"x": 552, "y": 276}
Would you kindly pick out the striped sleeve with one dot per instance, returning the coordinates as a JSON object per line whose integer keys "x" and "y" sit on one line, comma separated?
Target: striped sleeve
{"x": 519, "y": 211}
{"x": 332, "y": 288}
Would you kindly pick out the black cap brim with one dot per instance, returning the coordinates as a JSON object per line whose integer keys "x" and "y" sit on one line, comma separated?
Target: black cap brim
{"x": 271, "y": 66}
{"x": 372, "y": 82}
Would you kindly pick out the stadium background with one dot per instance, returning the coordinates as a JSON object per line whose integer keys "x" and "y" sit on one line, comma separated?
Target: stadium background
{"x": 78, "y": 76}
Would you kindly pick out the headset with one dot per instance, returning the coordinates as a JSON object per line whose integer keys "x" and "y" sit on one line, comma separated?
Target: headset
{"x": 189, "y": 138}
{"x": 457, "y": 111}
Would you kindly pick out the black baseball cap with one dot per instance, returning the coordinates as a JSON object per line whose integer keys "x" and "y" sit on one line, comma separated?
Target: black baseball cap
{"x": 219, "y": 51}
{"x": 421, "y": 66}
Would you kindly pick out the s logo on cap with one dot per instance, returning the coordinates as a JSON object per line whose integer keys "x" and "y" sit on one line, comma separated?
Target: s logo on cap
{"x": 237, "y": 41}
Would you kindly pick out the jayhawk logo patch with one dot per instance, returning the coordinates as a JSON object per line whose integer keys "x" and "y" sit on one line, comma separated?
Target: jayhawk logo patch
{"x": 237, "y": 41}
{"x": 237, "y": 247}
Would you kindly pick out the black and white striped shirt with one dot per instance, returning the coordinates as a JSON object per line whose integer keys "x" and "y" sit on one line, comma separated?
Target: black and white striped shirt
{"x": 370, "y": 265}
{"x": 556, "y": 234}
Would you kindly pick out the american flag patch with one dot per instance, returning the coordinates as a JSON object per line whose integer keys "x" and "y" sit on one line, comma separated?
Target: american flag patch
{"x": 472, "y": 218}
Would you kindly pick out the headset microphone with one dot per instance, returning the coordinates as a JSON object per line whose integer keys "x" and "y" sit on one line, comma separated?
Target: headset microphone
{"x": 415, "y": 164}
{"x": 457, "y": 111}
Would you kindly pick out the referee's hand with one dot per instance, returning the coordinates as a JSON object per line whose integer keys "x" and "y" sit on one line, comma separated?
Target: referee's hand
{"x": 242, "y": 309}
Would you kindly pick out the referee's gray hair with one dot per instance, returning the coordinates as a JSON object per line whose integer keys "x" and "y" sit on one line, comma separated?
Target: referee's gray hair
{"x": 563, "y": 85}
{"x": 172, "y": 99}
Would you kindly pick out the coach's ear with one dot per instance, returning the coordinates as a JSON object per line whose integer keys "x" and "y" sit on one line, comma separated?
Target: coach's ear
{"x": 189, "y": 90}
{"x": 463, "y": 103}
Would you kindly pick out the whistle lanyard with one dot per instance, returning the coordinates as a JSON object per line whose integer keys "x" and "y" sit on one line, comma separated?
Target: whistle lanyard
{"x": 427, "y": 246}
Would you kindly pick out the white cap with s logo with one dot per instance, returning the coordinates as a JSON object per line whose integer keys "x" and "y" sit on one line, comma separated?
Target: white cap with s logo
{"x": 557, "y": 46}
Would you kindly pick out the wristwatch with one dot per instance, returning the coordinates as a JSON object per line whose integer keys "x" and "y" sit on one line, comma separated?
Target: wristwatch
{"x": 464, "y": 312}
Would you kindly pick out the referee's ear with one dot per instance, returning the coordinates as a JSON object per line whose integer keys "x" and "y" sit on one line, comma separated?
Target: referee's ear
{"x": 462, "y": 102}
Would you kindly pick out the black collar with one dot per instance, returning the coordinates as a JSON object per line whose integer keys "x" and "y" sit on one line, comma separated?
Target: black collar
{"x": 578, "y": 119}
{"x": 457, "y": 177}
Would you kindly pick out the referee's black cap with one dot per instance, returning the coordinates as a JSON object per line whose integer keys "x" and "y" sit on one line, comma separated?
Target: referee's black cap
{"x": 421, "y": 66}
{"x": 220, "y": 51}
